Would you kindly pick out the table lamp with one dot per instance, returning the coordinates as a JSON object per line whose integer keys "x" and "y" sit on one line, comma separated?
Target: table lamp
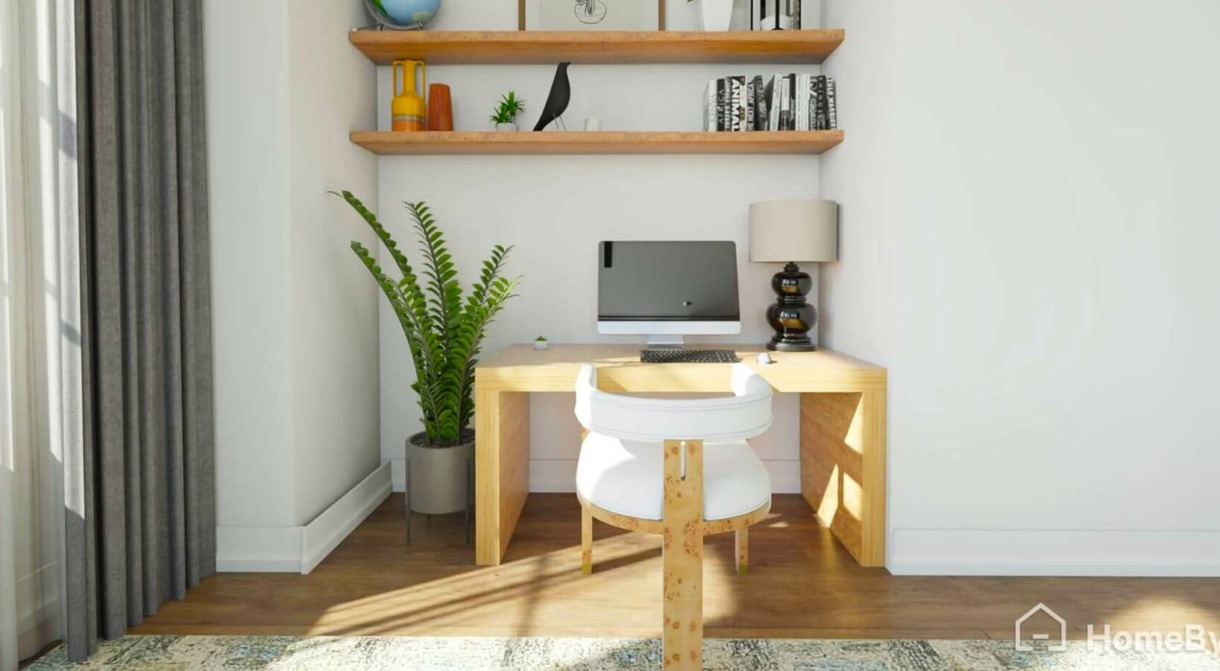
{"x": 788, "y": 231}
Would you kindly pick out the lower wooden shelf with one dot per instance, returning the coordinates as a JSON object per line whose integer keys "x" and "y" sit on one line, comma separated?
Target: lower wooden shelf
{"x": 386, "y": 143}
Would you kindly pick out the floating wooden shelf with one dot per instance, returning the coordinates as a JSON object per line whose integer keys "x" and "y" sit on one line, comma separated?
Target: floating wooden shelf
{"x": 439, "y": 47}
{"x": 600, "y": 142}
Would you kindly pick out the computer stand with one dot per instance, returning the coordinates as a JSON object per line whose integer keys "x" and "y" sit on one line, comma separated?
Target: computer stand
{"x": 665, "y": 342}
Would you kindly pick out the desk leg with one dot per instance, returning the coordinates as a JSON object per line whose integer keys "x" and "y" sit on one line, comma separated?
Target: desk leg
{"x": 502, "y": 470}
{"x": 843, "y": 468}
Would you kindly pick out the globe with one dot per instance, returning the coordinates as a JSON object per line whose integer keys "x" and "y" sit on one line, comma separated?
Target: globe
{"x": 407, "y": 13}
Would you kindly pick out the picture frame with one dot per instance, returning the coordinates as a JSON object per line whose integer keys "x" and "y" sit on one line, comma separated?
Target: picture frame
{"x": 627, "y": 15}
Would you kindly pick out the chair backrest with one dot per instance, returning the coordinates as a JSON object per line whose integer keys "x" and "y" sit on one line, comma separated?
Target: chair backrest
{"x": 744, "y": 415}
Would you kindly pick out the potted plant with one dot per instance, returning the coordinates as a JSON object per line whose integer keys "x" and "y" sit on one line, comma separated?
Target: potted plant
{"x": 444, "y": 332}
{"x": 717, "y": 15}
{"x": 504, "y": 116}
{"x": 541, "y": 343}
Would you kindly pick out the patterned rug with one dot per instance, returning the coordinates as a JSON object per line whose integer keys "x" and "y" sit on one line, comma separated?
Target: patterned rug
{"x": 283, "y": 653}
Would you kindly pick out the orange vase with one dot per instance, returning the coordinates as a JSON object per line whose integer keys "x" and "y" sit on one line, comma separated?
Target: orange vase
{"x": 440, "y": 107}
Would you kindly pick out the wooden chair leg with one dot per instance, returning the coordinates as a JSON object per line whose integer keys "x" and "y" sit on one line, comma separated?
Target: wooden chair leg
{"x": 743, "y": 550}
{"x": 586, "y": 540}
{"x": 682, "y": 557}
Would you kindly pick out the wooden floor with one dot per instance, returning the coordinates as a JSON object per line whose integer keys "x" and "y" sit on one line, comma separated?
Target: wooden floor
{"x": 801, "y": 584}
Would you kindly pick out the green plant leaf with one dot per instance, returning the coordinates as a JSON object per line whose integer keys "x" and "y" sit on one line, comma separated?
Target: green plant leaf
{"x": 444, "y": 331}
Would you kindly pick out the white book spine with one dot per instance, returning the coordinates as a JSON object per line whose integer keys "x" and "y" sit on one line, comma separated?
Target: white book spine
{"x": 785, "y": 103}
{"x": 709, "y": 106}
{"x": 802, "y": 102}
{"x": 776, "y": 93}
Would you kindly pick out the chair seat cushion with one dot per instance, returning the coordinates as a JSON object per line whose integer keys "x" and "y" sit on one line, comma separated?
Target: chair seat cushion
{"x": 626, "y": 477}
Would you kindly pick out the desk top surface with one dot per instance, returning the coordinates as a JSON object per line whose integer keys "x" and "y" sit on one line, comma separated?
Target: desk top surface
{"x": 522, "y": 368}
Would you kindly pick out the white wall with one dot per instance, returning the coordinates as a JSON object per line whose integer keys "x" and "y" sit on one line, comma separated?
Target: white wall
{"x": 333, "y": 91}
{"x": 1052, "y": 313}
{"x": 248, "y": 185}
{"x": 556, "y": 208}
{"x": 294, "y": 312}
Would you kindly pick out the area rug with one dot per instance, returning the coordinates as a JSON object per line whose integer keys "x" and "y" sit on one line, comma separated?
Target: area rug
{"x": 284, "y": 653}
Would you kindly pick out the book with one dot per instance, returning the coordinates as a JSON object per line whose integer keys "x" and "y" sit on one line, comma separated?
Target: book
{"x": 800, "y": 102}
{"x": 820, "y": 110}
{"x": 760, "y": 103}
{"x": 774, "y": 93}
{"x": 813, "y": 103}
{"x": 832, "y": 116}
{"x": 749, "y": 105}
{"x": 737, "y": 103}
{"x": 790, "y": 93}
{"x": 709, "y": 106}
{"x": 722, "y": 107}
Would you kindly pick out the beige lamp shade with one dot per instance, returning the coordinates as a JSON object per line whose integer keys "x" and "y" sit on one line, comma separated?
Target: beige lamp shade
{"x": 783, "y": 231}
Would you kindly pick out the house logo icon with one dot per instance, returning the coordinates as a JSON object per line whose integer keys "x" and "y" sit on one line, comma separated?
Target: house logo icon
{"x": 1043, "y": 641}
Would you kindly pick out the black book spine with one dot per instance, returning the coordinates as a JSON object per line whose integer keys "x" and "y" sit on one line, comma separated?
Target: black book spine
{"x": 832, "y": 114}
{"x": 721, "y": 105}
{"x": 760, "y": 104}
{"x": 792, "y": 103}
{"x": 739, "y": 103}
{"x": 822, "y": 114}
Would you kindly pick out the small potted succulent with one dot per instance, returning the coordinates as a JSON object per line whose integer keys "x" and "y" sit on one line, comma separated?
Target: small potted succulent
{"x": 504, "y": 116}
{"x": 541, "y": 343}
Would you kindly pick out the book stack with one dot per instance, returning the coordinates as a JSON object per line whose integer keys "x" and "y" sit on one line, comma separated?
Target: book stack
{"x": 784, "y": 102}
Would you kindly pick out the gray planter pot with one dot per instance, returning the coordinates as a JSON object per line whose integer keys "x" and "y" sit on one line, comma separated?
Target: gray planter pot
{"x": 438, "y": 475}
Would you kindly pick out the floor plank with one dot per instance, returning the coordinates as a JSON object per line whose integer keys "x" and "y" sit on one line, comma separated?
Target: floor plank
{"x": 801, "y": 584}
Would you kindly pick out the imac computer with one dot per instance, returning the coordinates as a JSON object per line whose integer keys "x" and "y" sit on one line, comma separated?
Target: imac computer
{"x": 665, "y": 290}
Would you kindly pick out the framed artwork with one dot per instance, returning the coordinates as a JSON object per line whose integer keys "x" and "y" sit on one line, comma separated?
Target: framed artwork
{"x": 591, "y": 14}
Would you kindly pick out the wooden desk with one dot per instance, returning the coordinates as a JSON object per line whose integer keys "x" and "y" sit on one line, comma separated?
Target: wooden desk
{"x": 842, "y": 430}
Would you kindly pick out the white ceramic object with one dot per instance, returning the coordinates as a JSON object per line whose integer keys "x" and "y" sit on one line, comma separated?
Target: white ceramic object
{"x": 508, "y": 127}
{"x": 541, "y": 345}
{"x": 717, "y": 15}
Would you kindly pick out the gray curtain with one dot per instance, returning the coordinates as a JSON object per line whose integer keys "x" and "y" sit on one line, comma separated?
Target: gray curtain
{"x": 140, "y": 487}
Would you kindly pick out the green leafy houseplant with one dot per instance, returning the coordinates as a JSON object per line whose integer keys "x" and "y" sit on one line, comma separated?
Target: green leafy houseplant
{"x": 444, "y": 330}
{"x": 507, "y": 110}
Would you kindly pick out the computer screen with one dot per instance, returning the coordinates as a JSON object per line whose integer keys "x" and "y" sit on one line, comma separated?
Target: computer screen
{"x": 687, "y": 287}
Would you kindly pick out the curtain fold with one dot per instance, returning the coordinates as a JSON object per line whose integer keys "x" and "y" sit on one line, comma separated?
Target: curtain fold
{"x": 141, "y": 482}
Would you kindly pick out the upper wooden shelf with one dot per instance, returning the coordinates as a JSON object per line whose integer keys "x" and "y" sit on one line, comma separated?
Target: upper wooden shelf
{"x": 601, "y": 142}
{"x": 540, "y": 47}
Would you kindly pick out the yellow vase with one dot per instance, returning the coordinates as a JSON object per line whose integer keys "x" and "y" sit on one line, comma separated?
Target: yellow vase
{"x": 408, "y": 109}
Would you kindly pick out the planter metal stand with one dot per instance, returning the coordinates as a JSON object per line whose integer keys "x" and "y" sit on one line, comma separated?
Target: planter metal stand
{"x": 466, "y": 512}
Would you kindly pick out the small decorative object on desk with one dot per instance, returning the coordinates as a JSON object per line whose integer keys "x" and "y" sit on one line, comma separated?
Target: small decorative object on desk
{"x": 402, "y": 14}
{"x": 541, "y": 343}
{"x": 504, "y": 116}
{"x": 408, "y": 110}
{"x": 717, "y": 15}
{"x": 557, "y": 100}
{"x": 440, "y": 107}
{"x": 440, "y": 459}
{"x": 591, "y": 14}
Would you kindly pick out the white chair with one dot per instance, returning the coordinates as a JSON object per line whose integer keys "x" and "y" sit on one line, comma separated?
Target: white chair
{"x": 678, "y": 468}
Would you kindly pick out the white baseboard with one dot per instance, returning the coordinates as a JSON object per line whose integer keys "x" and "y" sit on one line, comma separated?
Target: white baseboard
{"x": 1031, "y": 552}
{"x": 301, "y": 549}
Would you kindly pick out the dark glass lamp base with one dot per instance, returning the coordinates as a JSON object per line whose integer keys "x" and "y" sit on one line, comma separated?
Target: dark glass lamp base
{"x": 790, "y": 316}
